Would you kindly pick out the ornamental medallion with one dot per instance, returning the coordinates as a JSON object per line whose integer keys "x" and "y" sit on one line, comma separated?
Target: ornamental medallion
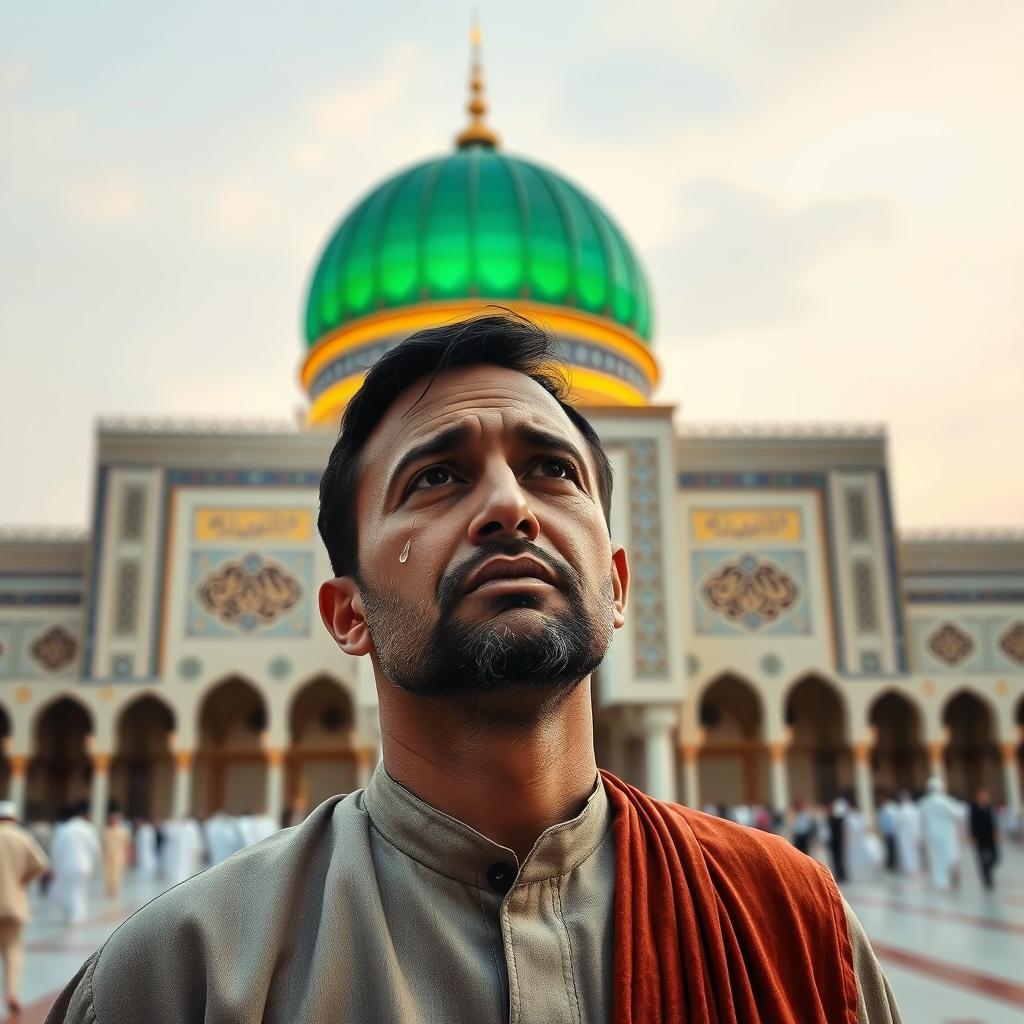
{"x": 950, "y": 644}
{"x": 249, "y": 593}
{"x": 1011, "y": 643}
{"x": 751, "y": 591}
{"x": 55, "y": 648}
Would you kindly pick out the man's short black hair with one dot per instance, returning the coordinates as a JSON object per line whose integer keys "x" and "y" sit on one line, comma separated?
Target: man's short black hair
{"x": 507, "y": 340}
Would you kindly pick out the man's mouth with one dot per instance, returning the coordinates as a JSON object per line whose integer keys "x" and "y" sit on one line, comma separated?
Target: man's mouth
{"x": 509, "y": 575}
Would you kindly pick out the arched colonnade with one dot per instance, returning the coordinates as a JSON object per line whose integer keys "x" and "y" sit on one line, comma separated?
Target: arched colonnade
{"x": 819, "y": 753}
{"x": 230, "y": 764}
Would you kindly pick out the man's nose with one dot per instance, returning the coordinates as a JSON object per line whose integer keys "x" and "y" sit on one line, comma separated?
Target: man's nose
{"x": 504, "y": 508}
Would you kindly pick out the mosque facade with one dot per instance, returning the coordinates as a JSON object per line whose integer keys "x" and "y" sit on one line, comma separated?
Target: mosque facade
{"x": 784, "y": 639}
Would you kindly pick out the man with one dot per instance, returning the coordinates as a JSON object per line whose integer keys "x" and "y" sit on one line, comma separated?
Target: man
{"x": 21, "y": 861}
{"x": 837, "y": 838}
{"x": 488, "y": 872}
{"x": 985, "y": 836}
{"x": 888, "y": 815}
{"x": 908, "y": 835}
{"x": 75, "y": 855}
{"x": 145, "y": 849}
{"x": 116, "y": 844}
{"x": 182, "y": 851}
{"x": 222, "y": 839}
{"x": 941, "y": 820}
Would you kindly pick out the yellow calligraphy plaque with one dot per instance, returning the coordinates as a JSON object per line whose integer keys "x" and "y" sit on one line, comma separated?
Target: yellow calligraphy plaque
{"x": 253, "y": 523}
{"x": 746, "y": 524}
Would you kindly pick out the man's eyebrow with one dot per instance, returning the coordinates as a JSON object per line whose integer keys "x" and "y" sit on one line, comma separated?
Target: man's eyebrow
{"x": 439, "y": 444}
{"x": 539, "y": 438}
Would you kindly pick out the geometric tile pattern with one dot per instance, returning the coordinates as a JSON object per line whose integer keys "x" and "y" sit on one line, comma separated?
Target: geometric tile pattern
{"x": 648, "y": 563}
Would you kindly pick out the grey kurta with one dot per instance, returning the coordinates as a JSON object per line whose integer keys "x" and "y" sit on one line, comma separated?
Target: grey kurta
{"x": 381, "y": 908}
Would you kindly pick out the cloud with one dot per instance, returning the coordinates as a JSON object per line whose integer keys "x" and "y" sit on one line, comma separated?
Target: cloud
{"x": 108, "y": 201}
{"x": 746, "y": 259}
{"x": 360, "y": 111}
{"x": 631, "y": 96}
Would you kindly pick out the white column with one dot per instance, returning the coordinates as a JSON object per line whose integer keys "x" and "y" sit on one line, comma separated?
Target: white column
{"x": 100, "y": 795}
{"x": 659, "y": 723}
{"x": 862, "y": 781}
{"x": 691, "y": 778}
{"x": 936, "y": 762}
{"x": 275, "y": 784}
{"x": 778, "y": 778}
{"x": 16, "y": 790}
{"x": 1011, "y": 776}
{"x": 182, "y": 804}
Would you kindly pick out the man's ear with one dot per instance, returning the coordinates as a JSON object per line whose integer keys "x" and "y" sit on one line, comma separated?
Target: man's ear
{"x": 341, "y": 608}
{"x": 620, "y": 584}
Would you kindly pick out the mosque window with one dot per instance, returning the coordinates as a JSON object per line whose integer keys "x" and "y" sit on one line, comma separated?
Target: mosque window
{"x": 127, "y": 598}
{"x": 865, "y": 611}
{"x": 132, "y": 511}
{"x": 857, "y": 514}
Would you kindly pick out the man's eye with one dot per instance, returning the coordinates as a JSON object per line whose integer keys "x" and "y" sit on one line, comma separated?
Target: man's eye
{"x": 432, "y": 476}
{"x": 557, "y": 469}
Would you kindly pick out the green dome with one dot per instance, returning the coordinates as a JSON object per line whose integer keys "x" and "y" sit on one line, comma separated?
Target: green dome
{"x": 477, "y": 223}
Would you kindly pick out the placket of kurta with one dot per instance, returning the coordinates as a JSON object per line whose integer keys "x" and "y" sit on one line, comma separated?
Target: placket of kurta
{"x": 541, "y": 978}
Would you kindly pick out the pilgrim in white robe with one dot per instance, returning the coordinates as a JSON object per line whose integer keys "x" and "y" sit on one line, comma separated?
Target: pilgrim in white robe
{"x": 222, "y": 837}
{"x": 942, "y": 818}
{"x": 908, "y": 836}
{"x": 145, "y": 851}
{"x": 863, "y": 853}
{"x": 74, "y": 857}
{"x": 182, "y": 851}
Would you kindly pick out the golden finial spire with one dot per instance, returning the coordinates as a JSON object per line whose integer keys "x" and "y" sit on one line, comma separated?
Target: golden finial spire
{"x": 476, "y": 132}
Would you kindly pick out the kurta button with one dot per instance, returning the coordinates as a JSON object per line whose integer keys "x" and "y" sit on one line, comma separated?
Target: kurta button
{"x": 501, "y": 876}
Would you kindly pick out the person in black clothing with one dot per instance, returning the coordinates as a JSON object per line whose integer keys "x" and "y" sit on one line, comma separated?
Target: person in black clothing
{"x": 837, "y": 837}
{"x": 985, "y": 836}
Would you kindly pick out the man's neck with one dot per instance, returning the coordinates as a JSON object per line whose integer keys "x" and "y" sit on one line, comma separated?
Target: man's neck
{"x": 509, "y": 782}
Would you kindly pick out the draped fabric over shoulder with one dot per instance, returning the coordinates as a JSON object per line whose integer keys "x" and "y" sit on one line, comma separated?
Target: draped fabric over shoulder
{"x": 716, "y": 924}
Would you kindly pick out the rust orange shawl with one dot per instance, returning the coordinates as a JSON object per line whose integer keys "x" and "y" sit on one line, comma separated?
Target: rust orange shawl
{"x": 718, "y": 924}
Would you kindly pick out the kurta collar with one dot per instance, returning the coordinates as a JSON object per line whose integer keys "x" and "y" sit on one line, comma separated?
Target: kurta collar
{"x": 456, "y": 850}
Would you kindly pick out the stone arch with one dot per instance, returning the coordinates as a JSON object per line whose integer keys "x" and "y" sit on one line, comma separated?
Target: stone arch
{"x": 230, "y": 769}
{"x": 971, "y": 755}
{"x": 142, "y": 769}
{"x": 60, "y": 768}
{"x": 732, "y": 763}
{"x": 819, "y": 758}
{"x": 322, "y": 752}
{"x": 899, "y": 757}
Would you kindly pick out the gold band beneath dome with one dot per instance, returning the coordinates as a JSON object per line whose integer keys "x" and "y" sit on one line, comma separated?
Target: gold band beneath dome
{"x": 589, "y": 386}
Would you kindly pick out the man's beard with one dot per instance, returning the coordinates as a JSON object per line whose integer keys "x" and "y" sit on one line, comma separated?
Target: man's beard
{"x": 460, "y": 659}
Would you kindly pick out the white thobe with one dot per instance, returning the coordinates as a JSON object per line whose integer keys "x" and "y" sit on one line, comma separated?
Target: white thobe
{"x": 145, "y": 851}
{"x": 183, "y": 846}
{"x": 908, "y": 837}
{"x": 862, "y": 855}
{"x": 222, "y": 837}
{"x": 75, "y": 854}
{"x": 941, "y": 818}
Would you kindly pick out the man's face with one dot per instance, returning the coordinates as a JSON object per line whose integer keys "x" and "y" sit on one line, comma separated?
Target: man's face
{"x": 485, "y": 564}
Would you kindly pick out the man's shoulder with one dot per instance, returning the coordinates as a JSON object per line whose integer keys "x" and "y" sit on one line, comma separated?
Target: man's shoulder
{"x": 228, "y": 925}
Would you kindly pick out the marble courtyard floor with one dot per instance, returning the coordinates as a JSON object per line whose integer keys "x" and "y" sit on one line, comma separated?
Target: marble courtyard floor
{"x": 952, "y": 958}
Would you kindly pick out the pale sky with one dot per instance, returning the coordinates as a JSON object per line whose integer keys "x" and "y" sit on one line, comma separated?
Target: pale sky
{"x": 826, "y": 196}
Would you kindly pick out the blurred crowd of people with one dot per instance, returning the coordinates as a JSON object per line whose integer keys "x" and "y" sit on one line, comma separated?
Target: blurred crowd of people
{"x": 64, "y": 856}
{"x": 929, "y": 833}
